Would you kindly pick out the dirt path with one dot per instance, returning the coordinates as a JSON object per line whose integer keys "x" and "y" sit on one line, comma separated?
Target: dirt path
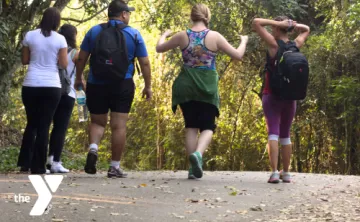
{"x": 168, "y": 196}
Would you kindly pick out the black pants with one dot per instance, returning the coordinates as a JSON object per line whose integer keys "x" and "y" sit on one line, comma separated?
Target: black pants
{"x": 61, "y": 122}
{"x": 40, "y": 105}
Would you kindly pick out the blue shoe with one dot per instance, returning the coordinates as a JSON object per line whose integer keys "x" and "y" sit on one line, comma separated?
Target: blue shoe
{"x": 196, "y": 164}
{"x": 191, "y": 175}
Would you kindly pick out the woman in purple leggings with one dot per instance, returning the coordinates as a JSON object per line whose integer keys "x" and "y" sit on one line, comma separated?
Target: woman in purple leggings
{"x": 279, "y": 114}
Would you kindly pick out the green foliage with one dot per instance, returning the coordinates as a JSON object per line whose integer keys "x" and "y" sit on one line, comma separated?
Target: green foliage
{"x": 8, "y": 161}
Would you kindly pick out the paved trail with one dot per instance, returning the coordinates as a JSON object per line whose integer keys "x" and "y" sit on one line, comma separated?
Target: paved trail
{"x": 168, "y": 196}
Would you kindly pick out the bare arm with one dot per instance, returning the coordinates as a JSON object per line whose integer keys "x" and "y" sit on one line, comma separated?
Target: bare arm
{"x": 146, "y": 72}
{"x": 163, "y": 46}
{"x": 223, "y": 45}
{"x": 304, "y": 33}
{"x": 25, "y": 55}
{"x": 63, "y": 60}
{"x": 80, "y": 65}
{"x": 259, "y": 26}
{"x": 76, "y": 57}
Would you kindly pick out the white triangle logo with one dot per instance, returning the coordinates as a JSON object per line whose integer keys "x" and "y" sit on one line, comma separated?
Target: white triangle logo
{"x": 53, "y": 181}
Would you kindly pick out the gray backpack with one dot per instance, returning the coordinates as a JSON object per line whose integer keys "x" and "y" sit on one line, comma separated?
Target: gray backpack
{"x": 65, "y": 78}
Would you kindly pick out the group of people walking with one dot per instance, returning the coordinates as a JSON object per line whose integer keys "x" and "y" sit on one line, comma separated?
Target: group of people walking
{"x": 112, "y": 48}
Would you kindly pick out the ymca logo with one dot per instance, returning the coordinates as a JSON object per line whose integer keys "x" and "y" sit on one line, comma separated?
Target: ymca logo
{"x": 53, "y": 181}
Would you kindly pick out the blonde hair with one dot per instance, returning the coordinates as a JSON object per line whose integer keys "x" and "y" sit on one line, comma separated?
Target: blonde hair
{"x": 200, "y": 12}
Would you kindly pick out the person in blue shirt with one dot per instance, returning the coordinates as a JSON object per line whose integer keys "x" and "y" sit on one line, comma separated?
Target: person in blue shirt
{"x": 102, "y": 95}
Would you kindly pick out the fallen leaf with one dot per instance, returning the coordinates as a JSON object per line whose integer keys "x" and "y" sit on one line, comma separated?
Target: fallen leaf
{"x": 57, "y": 220}
{"x": 233, "y": 193}
{"x": 242, "y": 212}
{"x": 143, "y": 185}
{"x": 218, "y": 199}
{"x": 74, "y": 203}
{"x": 256, "y": 208}
{"x": 178, "y": 216}
{"x": 114, "y": 214}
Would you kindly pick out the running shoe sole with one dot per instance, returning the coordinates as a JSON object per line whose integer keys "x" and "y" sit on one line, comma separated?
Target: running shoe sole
{"x": 273, "y": 181}
{"x": 196, "y": 167}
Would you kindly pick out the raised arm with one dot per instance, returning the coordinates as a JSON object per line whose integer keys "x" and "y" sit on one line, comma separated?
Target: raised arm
{"x": 224, "y": 46}
{"x": 163, "y": 46}
{"x": 259, "y": 26}
{"x": 304, "y": 33}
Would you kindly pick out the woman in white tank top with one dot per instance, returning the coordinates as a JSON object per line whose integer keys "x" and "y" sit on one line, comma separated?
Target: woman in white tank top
{"x": 63, "y": 112}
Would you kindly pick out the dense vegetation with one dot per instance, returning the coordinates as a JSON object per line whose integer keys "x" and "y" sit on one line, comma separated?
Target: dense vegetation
{"x": 326, "y": 131}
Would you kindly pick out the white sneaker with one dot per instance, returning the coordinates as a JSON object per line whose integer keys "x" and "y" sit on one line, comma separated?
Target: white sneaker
{"x": 47, "y": 171}
{"x": 285, "y": 176}
{"x": 57, "y": 167}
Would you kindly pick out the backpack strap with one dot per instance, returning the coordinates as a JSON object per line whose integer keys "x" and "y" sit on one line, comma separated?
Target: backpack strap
{"x": 121, "y": 26}
{"x": 72, "y": 55}
{"x": 136, "y": 61}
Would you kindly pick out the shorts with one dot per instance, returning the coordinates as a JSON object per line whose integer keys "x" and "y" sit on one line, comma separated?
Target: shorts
{"x": 199, "y": 115}
{"x": 118, "y": 98}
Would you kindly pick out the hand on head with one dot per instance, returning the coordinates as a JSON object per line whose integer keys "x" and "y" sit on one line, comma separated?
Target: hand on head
{"x": 287, "y": 24}
{"x": 244, "y": 38}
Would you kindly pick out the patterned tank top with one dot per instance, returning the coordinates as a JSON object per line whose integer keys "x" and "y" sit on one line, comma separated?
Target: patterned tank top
{"x": 196, "y": 55}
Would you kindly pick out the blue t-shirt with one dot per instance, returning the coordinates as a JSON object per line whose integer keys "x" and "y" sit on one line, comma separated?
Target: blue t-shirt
{"x": 138, "y": 50}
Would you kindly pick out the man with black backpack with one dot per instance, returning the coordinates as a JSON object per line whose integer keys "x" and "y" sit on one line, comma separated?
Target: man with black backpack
{"x": 286, "y": 80}
{"x": 113, "y": 48}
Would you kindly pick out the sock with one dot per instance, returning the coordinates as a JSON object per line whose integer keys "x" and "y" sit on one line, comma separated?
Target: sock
{"x": 93, "y": 147}
{"x": 56, "y": 163}
{"x": 115, "y": 164}
{"x": 276, "y": 171}
{"x": 50, "y": 159}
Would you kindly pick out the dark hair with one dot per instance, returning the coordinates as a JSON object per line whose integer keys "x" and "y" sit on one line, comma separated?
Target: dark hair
{"x": 282, "y": 18}
{"x": 50, "y": 21}
{"x": 69, "y": 32}
{"x": 116, "y": 8}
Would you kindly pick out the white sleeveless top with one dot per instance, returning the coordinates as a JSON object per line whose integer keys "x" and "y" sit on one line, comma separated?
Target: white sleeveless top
{"x": 71, "y": 70}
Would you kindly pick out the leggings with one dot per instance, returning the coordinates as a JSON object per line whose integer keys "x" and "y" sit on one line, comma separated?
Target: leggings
{"x": 40, "y": 105}
{"x": 61, "y": 122}
{"x": 279, "y": 115}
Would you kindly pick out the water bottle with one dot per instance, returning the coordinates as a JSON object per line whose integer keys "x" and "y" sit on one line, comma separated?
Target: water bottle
{"x": 81, "y": 102}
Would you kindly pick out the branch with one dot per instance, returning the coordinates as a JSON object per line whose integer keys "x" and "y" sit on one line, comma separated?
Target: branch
{"x": 60, "y": 4}
{"x": 87, "y": 19}
{"x": 74, "y": 8}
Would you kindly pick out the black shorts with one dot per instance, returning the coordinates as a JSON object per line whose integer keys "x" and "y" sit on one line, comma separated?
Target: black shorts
{"x": 116, "y": 97}
{"x": 199, "y": 115}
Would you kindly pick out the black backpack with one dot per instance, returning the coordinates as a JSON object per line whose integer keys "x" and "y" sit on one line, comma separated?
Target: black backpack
{"x": 109, "y": 57}
{"x": 65, "y": 78}
{"x": 289, "y": 78}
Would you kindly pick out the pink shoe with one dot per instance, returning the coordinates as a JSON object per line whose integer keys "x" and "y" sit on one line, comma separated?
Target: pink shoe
{"x": 274, "y": 178}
